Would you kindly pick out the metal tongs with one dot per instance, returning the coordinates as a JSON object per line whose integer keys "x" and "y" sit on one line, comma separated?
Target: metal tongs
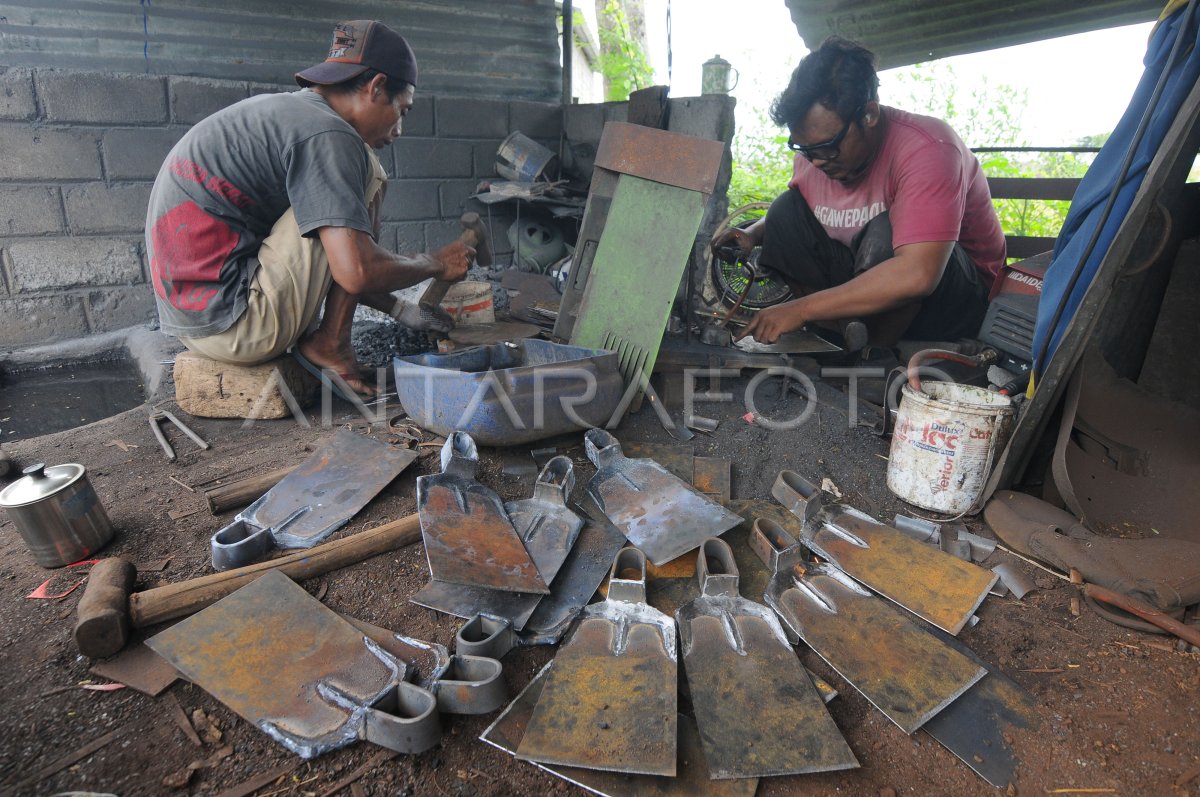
{"x": 156, "y": 419}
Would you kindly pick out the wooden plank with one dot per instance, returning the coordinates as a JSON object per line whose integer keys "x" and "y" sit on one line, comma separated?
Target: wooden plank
{"x": 1033, "y": 187}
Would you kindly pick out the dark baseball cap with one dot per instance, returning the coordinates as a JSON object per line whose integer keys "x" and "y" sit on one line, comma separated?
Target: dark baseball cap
{"x": 359, "y": 45}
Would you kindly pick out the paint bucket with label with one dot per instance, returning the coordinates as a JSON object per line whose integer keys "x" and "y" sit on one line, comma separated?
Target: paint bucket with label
{"x": 470, "y": 302}
{"x": 523, "y": 160}
{"x": 946, "y": 439}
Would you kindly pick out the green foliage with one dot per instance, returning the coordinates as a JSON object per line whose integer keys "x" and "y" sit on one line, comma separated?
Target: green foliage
{"x": 623, "y": 62}
{"x": 762, "y": 164}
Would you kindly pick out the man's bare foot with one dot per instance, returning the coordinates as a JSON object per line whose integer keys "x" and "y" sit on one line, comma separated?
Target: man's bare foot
{"x": 341, "y": 361}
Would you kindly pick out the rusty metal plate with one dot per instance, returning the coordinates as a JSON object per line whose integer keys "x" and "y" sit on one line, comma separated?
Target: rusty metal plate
{"x": 140, "y": 668}
{"x": 673, "y": 457}
{"x": 468, "y": 536}
{"x": 734, "y": 648}
{"x": 329, "y": 488}
{"x": 931, "y": 584}
{"x": 901, "y": 668}
{"x": 656, "y": 511}
{"x": 610, "y": 702}
{"x": 670, "y": 158}
{"x": 466, "y": 601}
{"x": 429, "y": 660}
{"x": 691, "y": 773}
{"x": 713, "y": 477}
{"x": 284, "y": 662}
{"x": 544, "y": 522}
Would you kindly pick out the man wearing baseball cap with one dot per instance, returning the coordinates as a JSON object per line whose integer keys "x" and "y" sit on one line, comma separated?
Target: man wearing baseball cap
{"x": 268, "y": 209}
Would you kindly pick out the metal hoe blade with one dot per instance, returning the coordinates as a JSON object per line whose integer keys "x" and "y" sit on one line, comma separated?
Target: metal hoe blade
{"x": 610, "y": 702}
{"x": 934, "y": 586}
{"x": 468, "y": 537}
{"x": 691, "y": 776}
{"x": 735, "y": 654}
{"x": 544, "y": 522}
{"x": 656, "y": 511}
{"x": 283, "y": 661}
{"x": 902, "y": 669}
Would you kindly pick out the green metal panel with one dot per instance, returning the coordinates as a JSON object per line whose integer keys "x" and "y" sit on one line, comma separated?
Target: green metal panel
{"x": 639, "y": 263}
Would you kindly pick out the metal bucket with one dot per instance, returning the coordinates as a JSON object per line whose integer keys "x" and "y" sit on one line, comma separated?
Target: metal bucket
{"x": 523, "y": 160}
{"x": 946, "y": 439}
{"x": 57, "y": 513}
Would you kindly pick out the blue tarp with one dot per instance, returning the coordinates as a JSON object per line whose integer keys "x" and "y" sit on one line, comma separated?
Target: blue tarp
{"x": 1090, "y": 198}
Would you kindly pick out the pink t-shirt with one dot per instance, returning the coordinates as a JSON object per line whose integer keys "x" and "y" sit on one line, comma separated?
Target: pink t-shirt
{"x": 927, "y": 179}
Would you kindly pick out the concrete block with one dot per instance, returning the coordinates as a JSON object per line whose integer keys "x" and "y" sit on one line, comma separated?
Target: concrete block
{"x": 418, "y": 121}
{"x": 209, "y": 389}
{"x": 271, "y": 88}
{"x": 30, "y": 210}
{"x": 710, "y": 116}
{"x": 432, "y": 157}
{"x": 406, "y": 238}
{"x": 454, "y": 201}
{"x": 536, "y": 119}
{"x": 118, "y": 308}
{"x": 407, "y": 200}
{"x": 485, "y": 159}
{"x": 461, "y": 117}
{"x": 192, "y": 99}
{"x": 97, "y": 98}
{"x": 584, "y": 122}
{"x": 30, "y": 320}
{"x": 137, "y": 154}
{"x": 16, "y": 94}
{"x": 41, "y": 154}
{"x": 48, "y": 264}
{"x": 616, "y": 112}
{"x": 100, "y": 208}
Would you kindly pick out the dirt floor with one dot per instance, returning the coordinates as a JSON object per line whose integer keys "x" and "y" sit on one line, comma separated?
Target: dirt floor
{"x": 1119, "y": 710}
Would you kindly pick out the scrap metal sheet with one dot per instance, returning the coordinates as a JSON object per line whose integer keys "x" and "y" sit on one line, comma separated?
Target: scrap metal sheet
{"x": 273, "y": 654}
{"x": 901, "y": 668}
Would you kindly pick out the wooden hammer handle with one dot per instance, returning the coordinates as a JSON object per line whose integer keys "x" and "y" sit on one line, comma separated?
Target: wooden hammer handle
{"x": 187, "y": 597}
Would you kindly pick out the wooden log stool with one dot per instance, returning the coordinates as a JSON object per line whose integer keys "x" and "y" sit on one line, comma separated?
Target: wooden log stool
{"x": 210, "y": 389}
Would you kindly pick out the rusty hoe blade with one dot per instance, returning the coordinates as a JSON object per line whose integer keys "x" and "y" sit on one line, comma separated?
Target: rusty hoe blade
{"x": 544, "y": 522}
{"x": 296, "y": 670}
{"x": 933, "y": 585}
{"x": 902, "y": 669}
{"x": 468, "y": 536}
{"x": 735, "y": 653}
{"x": 657, "y": 512}
{"x": 611, "y": 699}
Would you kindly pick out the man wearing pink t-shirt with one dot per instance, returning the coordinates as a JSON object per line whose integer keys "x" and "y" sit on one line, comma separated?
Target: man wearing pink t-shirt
{"x": 887, "y": 221}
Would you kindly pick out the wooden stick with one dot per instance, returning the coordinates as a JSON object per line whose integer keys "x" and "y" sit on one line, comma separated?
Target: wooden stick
{"x": 181, "y": 484}
{"x": 243, "y": 491}
{"x": 1143, "y": 610}
{"x": 372, "y": 762}
{"x": 1035, "y": 563}
{"x": 258, "y": 781}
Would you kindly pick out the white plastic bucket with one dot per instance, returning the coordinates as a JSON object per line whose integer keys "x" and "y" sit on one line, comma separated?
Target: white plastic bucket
{"x": 470, "y": 302}
{"x": 945, "y": 441}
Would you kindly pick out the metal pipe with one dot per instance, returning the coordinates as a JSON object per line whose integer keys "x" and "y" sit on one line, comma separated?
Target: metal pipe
{"x": 568, "y": 49}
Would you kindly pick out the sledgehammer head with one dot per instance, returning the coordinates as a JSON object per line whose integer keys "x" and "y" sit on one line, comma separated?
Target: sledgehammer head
{"x": 103, "y": 625}
{"x": 474, "y": 234}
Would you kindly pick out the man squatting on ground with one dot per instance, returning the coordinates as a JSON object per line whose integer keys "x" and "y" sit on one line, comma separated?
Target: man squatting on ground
{"x": 887, "y": 220}
{"x": 269, "y": 208}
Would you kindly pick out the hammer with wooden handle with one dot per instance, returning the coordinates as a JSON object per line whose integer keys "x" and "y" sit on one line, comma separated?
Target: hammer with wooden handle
{"x": 474, "y": 234}
{"x": 108, "y": 610}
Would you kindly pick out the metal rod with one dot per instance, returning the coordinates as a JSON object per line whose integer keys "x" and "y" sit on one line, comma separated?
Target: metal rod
{"x": 1035, "y": 149}
{"x": 568, "y": 49}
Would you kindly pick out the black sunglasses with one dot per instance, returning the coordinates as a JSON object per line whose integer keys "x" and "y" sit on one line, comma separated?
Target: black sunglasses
{"x": 826, "y": 150}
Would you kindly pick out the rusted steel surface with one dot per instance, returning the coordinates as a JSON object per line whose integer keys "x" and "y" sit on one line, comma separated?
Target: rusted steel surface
{"x": 610, "y": 701}
{"x": 691, "y": 773}
{"x": 675, "y": 457}
{"x": 429, "y": 660}
{"x": 736, "y": 655}
{"x": 468, "y": 536}
{"x": 669, "y": 158}
{"x": 712, "y": 476}
{"x": 283, "y": 661}
{"x": 656, "y": 511}
{"x": 931, "y": 584}
{"x": 544, "y": 522}
{"x": 901, "y": 668}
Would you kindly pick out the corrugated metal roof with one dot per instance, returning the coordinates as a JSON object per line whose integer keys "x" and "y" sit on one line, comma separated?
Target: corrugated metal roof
{"x": 481, "y": 48}
{"x": 903, "y": 32}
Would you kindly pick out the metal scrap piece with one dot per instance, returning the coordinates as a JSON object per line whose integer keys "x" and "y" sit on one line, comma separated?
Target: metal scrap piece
{"x": 283, "y": 661}
{"x": 692, "y": 776}
{"x": 468, "y": 536}
{"x": 544, "y": 522}
{"x": 1013, "y": 578}
{"x": 727, "y": 639}
{"x": 610, "y": 702}
{"x": 656, "y": 511}
{"x": 932, "y": 585}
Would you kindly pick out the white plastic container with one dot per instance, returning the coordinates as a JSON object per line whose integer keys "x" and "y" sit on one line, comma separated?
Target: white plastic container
{"x": 945, "y": 441}
{"x": 470, "y": 302}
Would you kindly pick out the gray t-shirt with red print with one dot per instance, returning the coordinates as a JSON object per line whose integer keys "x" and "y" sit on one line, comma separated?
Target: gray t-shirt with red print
{"x": 227, "y": 182}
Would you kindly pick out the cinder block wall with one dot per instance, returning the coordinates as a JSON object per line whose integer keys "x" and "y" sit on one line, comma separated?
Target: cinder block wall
{"x": 79, "y": 152}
